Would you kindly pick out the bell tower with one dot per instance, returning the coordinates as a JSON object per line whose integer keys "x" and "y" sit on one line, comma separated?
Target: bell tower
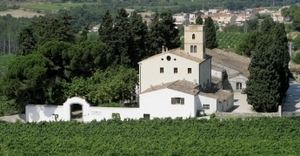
{"x": 194, "y": 42}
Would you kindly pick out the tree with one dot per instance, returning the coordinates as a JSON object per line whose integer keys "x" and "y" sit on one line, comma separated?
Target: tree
{"x": 163, "y": 33}
{"x": 54, "y": 27}
{"x": 122, "y": 38}
{"x": 113, "y": 85}
{"x": 25, "y": 80}
{"x": 263, "y": 84}
{"x": 106, "y": 28}
{"x": 199, "y": 20}
{"x": 27, "y": 41}
{"x": 269, "y": 72}
{"x": 210, "y": 33}
{"x": 248, "y": 44}
{"x": 139, "y": 34}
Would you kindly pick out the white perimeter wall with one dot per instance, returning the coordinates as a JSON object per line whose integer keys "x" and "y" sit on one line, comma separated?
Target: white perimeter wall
{"x": 38, "y": 113}
{"x": 158, "y": 104}
{"x": 101, "y": 113}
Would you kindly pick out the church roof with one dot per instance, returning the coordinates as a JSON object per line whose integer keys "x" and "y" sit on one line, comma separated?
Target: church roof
{"x": 190, "y": 88}
{"x": 225, "y": 60}
{"x": 179, "y": 85}
{"x": 179, "y": 52}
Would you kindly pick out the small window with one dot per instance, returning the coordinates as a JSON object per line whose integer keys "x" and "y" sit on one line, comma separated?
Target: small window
{"x": 175, "y": 70}
{"x": 146, "y": 116}
{"x": 161, "y": 70}
{"x": 206, "y": 106}
{"x": 177, "y": 100}
{"x": 192, "y": 49}
{"x": 168, "y": 58}
{"x": 189, "y": 70}
{"x": 193, "y": 36}
{"x": 239, "y": 86}
{"x": 195, "y": 49}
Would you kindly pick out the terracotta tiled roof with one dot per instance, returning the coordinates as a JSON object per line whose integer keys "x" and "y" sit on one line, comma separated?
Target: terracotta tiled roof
{"x": 179, "y": 85}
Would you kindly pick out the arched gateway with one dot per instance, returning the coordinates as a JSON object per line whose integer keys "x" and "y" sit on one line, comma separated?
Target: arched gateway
{"x": 76, "y": 108}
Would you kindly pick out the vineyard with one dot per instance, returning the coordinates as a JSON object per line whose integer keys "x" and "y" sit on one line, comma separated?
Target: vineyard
{"x": 265, "y": 136}
{"x": 230, "y": 40}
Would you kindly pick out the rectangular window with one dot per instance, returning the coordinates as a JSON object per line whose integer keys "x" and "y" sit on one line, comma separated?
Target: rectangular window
{"x": 177, "y": 100}
{"x": 161, "y": 70}
{"x": 206, "y": 106}
{"x": 189, "y": 70}
{"x": 146, "y": 116}
{"x": 175, "y": 70}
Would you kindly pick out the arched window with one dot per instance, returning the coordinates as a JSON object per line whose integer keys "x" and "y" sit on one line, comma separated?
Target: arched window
{"x": 193, "y": 36}
{"x": 195, "y": 49}
{"x": 192, "y": 49}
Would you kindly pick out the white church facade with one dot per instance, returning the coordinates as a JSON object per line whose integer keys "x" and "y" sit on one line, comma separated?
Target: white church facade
{"x": 174, "y": 83}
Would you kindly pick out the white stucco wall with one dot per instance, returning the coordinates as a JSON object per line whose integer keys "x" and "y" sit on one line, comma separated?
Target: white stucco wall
{"x": 101, "y": 113}
{"x": 206, "y": 100}
{"x": 239, "y": 78}
{"x": 216, "y": 73}
{"x": 150, "y": 70}
{"x": 39, "y": 113}
{"x": 158, "y": 104}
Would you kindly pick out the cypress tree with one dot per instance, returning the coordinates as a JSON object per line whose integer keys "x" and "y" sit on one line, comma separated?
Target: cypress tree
{"x": 139, "y": 33}
{"x": 269, "y": 73}
{"x": 122, "y": 38}
{"x": 210, "y": 34}
{"x": 199, "y": 20}
{"x": 264, "y": 82}
{"x": 106, "y": 28}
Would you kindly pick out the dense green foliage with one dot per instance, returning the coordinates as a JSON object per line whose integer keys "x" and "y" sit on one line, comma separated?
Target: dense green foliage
{"x": 247, "y": 43}
{"x": 266, "y": 136}
{"x": 210, "y": 34}
{"x": 115, "y": 85}
{"x": 293, "y": 13}
{"x": 6, "y": 106}
{"x": 268, "y": 69}
{"x": 296, "y": 58}
{"x": 296, "y": 42}
{"x": 57, "y": 61}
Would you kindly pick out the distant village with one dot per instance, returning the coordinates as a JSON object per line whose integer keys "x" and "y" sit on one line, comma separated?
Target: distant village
{"x": 222, "y": 17}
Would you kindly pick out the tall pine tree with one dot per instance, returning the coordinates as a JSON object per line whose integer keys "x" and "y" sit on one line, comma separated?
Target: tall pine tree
{"x": 122, "y": 39}
{"x": 106, "y": 28}
{"x": 163, "y": 33}
{"x": 139, "y": 32}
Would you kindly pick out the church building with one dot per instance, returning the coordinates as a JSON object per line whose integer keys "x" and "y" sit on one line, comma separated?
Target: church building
{"x": 178, "y": 82}
{"x": 174, "y": 83}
